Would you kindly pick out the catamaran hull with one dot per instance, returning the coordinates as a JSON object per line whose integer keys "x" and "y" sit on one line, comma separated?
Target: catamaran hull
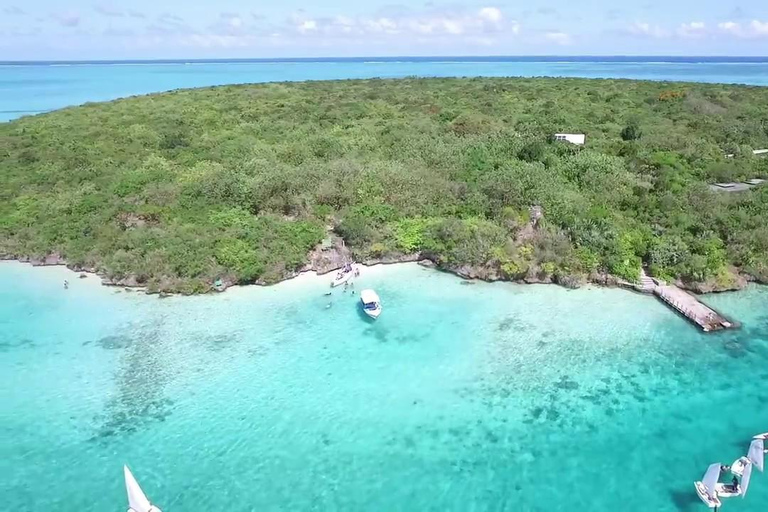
{"x": 710, "y": 501}
{"x": 726, "y": 491}
{"x": 737, "y": 468}
{"x": 338, "y": 281}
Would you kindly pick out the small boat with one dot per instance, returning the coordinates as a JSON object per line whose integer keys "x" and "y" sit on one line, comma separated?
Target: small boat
{"x": 706, "y": 487}
{"x": 742, "y": 470}
{"x": 755, "y": 457}
{"x": 371, "y": 303}
{"x": 137, "y": 500}
{"x": 727, "y": 490}
{"x": 343, "y": 276}
{"x": 737, "y": 468}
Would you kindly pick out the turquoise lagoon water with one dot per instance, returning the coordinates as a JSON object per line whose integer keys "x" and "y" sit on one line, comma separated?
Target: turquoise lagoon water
{"x": 29, "y": 88}
{"x": 460, "y": 397}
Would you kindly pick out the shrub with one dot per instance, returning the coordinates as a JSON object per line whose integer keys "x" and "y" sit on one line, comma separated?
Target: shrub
{"x": 631, "y": 132}
{"x": 409, "y": 233}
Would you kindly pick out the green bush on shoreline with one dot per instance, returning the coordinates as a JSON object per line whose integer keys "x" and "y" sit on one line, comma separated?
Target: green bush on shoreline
{"x": 181, "y": 188}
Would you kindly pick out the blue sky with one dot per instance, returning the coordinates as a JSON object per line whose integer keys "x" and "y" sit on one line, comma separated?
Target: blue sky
{"x": 94, "y": 29}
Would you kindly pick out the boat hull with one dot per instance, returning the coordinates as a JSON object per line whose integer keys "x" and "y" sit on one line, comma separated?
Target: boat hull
{"x": 737, "y": 468}
{"x": 372, "y": 313}
{"x": 710, "y": 501}
{"x": 726, "y": 491}
{"x": 338, "y": 281}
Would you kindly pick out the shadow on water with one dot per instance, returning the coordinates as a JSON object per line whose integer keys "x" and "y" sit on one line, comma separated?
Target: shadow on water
{"x": 112, "y": 342}
{"x": 218, "y": 342}
{"x": 144, "y": 371}
{"x": 685, "y": 501}
{"x": 749, "y": 339}
{"x": 511, "y": 323}
{"x": 381, "y": 334}
{"x": 7, "y": 346}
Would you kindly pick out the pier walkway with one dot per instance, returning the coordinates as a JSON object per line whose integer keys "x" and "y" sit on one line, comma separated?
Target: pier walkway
{"x": 691, "y": 308}
{"x": 683, "y": 302}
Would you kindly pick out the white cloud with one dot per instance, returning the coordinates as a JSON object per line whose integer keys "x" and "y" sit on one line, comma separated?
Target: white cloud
{"x": 453, "y": 26}
{"x": 698, "y": 29}
{"x": 490, "y": 14}
{"x": 231, "y": 20}
{"x": 753, "y": 30}
{"x": 560, "y": 38}
{"x": 729, "y": 26}
{"x": 307, "y": 26}
{"x": 427, "y": 23}
{"x": 759, "y": 28}
{"x": 647, "y": 30}
{"x": 692, "y": 30}
{"x": 439, "y": 26}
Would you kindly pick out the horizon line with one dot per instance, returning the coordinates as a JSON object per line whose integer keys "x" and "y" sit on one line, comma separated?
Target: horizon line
{"x": 374, "y": 58}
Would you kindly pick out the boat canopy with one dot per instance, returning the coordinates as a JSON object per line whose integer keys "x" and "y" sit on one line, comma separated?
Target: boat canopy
{"x": 756, "y": 453}
{"x": 369, "y": 297}
{"x": 711, "y": 477}
{"x": 137, "y": 501}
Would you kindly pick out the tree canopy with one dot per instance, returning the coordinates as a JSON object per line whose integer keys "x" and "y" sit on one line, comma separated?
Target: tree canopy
{"x": 181, "y": 188}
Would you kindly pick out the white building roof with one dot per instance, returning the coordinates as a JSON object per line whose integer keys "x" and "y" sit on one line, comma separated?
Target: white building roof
{"x": 573, "y": 138}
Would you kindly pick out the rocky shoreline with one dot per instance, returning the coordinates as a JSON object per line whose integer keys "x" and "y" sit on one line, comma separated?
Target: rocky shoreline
{"x": 327, "y": 258}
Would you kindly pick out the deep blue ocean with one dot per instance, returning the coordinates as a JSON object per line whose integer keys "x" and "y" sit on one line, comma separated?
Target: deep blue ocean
{"x": 35, "y": 87}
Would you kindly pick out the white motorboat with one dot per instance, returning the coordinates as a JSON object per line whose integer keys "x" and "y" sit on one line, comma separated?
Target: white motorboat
{"x": 344, "y": 275}
{"x": 137, "y": 500}
{"x": 706, "y": 487}
{"x": 371, "y": 303}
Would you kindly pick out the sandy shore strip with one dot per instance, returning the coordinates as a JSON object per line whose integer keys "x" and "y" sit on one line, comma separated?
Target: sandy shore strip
{"x": 78, "y": 280}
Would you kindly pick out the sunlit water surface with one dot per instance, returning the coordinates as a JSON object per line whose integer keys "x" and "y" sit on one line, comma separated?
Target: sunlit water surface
{"x": 462, "y": 396}
{"x": 40, "y": 87}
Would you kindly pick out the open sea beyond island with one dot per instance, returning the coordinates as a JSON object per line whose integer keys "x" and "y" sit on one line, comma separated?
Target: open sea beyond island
{"x": 462, "y": 396}
{"x": 35, "y": 87}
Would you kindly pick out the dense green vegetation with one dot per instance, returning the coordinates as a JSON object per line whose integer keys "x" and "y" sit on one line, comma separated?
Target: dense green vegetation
{"x": 241, "y": 182}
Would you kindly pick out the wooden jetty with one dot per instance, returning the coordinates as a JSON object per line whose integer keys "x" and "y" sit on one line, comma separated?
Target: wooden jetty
{"x": 693, "y": 309}
{"x": 684, "y": 303}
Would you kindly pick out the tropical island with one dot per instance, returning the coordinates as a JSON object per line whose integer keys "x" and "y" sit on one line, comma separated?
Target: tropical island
{"x": 252, "y": 183}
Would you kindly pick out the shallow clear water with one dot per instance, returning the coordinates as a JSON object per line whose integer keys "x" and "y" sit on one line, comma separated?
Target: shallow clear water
{"x": 460, "y": 397}
{"x": 33, "y": 88}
